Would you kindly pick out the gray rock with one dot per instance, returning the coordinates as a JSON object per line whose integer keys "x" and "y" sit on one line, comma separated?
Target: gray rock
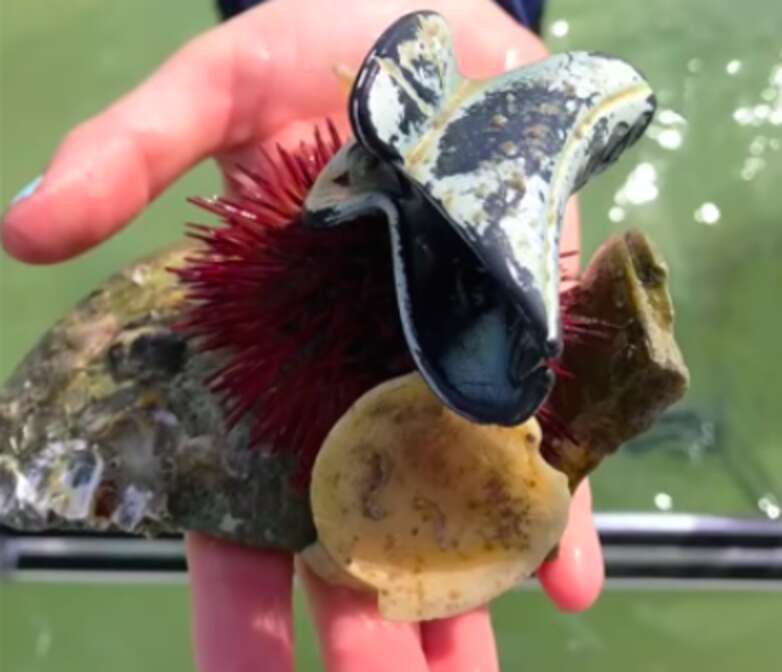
{"x": 107, "y": 425}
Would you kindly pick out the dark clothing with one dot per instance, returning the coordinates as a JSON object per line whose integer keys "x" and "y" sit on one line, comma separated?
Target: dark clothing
{"x": 527, "y": 12}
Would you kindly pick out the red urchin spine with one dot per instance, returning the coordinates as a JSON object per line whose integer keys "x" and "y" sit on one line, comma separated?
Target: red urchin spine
{"x": 577, "y": 330}
{"x": 305, "y": 320}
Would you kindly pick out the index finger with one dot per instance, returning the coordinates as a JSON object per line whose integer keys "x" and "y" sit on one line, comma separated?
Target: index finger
{"x": 239, "y": 83}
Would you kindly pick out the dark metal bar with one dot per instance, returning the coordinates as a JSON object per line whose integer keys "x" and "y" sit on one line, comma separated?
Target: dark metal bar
{"x": 674, "y": 550}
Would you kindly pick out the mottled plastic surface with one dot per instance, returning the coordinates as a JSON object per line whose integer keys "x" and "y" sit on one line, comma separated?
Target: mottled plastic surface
{"x": 473, "y": 177}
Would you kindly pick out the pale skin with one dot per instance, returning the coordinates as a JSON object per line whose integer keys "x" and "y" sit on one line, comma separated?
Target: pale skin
{"x": 266, "y": 77}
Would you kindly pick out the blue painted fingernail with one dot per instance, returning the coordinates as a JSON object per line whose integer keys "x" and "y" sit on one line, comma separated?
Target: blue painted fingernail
{"x": 27, "y": 190}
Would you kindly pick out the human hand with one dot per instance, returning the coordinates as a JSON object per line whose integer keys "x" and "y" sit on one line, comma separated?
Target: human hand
{"x": 243, "y": 614}
{"x": 266, "y": 77}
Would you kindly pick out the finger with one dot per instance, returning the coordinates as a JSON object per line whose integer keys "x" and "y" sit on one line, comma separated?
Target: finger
{"x": 239, "y": 83}
{"x": 574, "y": 579}
{"x": 242, "y": 613}
{"x": 464, "y": 643}
{"x": 353, "y": 636}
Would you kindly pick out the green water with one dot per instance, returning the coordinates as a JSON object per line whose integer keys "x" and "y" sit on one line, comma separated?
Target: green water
{"x": 716, "y": 156}
{"x": 629, "y": 630}
{"x": 706, "y": 188}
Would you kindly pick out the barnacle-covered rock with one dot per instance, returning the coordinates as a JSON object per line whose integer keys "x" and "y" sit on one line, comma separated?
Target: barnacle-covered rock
{"x": 108, "y": 425}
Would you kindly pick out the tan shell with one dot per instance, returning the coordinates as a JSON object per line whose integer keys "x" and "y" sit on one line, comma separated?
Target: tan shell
{"x": 435, "y": 513}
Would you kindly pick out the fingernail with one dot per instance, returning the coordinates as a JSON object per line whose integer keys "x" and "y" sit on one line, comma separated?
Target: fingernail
{"x": 512, "y": 59}
{"x": 27, "y": 190}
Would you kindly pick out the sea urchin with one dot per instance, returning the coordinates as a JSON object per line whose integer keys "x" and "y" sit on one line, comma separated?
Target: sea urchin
{"x": 305, "y": 319}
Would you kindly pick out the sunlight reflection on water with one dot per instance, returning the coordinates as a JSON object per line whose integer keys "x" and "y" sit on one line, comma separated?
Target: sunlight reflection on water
{"x": 704, "y": 183}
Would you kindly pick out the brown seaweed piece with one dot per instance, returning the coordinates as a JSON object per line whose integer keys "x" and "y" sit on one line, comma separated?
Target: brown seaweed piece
{"x": 621, "y": 386}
